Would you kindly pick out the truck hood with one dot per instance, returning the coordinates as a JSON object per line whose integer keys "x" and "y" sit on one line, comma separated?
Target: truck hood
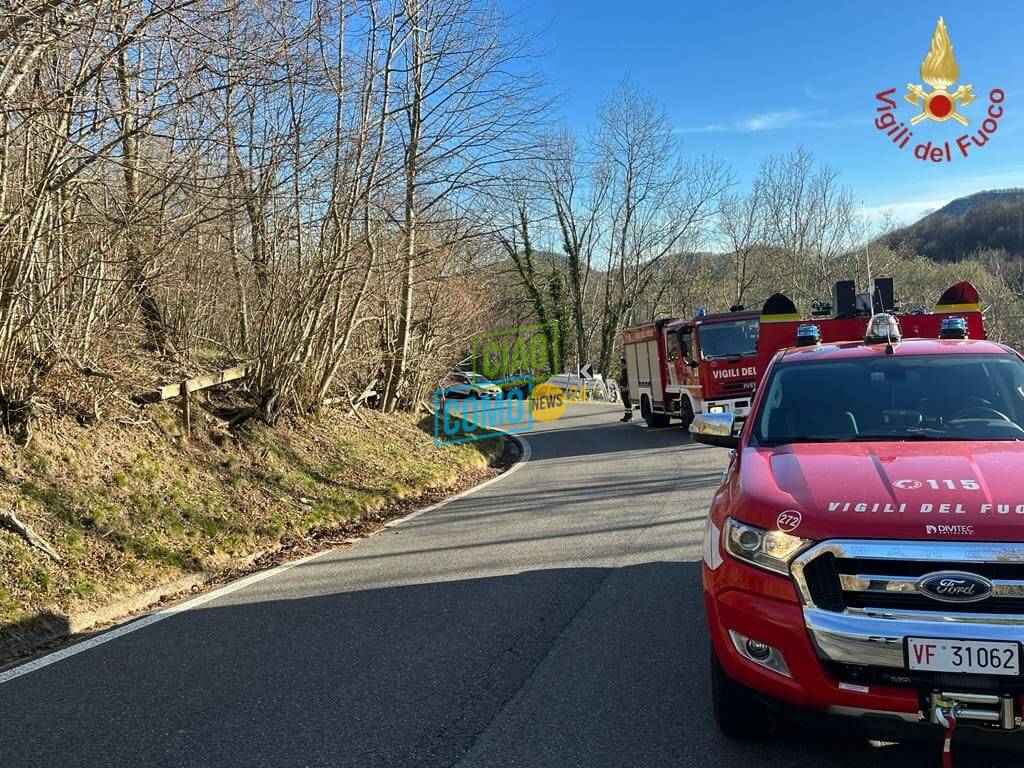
{"x": 957, "y": 491}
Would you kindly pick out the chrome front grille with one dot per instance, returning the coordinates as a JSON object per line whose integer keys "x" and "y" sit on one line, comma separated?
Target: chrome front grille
{"x": 853, "y": 576}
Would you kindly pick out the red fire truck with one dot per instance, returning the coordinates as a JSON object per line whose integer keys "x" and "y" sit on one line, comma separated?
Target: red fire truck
{"x": 711, "y": 363}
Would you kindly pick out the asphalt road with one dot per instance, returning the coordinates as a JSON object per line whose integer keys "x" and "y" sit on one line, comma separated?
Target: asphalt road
{"x": 553, "y": 618}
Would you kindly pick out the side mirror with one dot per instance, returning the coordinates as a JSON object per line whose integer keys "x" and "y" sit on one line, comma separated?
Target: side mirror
{"x": 715, "y": 429}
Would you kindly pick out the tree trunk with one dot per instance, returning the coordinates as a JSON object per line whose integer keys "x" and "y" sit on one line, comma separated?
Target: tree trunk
{"x": 136, "y": 266}
{"x": 400, "y": 358}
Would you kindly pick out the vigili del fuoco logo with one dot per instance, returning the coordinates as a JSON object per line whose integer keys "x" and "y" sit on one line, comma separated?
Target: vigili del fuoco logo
{"x": 936, "y": 102}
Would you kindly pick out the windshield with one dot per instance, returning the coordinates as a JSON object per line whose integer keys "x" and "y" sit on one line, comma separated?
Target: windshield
{"x": 928, "y": 397}
{"x": 476, "y": 378}
{"x": 730, "y": 339}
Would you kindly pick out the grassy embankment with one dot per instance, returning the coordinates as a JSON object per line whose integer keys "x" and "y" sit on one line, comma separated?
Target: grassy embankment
{"x": 130, "y": 507}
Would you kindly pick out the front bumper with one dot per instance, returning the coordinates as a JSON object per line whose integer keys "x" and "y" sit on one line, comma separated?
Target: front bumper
{"x": 892, "y": 726}
{"x": 875, "y": 638}
{"x": 815, "y": 644}
{"x": 738, "y": 406}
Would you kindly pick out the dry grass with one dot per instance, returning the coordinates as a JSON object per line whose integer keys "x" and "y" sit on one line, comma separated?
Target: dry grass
{"x": 129, "y": 507}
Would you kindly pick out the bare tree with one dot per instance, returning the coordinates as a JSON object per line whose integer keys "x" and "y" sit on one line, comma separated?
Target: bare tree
{"x": 810, "y": 218}
{"x": 657, "y": 204}
{"x": 577, "y": 183}
{"x": 743, "y": 229}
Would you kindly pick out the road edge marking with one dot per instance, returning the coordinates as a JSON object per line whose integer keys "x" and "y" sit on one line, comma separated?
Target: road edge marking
{"x": 148, "y": 619}
{"x": 525, "y": 453}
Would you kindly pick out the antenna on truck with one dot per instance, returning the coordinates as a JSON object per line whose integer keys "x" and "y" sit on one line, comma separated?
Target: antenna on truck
{"x": 867, "y": 254}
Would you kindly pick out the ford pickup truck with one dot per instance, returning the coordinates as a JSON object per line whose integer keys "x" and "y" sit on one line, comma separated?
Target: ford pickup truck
{"x": 863, "y": 558}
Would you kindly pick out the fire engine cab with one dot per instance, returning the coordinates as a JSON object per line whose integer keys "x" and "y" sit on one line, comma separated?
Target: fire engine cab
{"x": 679, "y": 367}
{"x": 712, "y": 363}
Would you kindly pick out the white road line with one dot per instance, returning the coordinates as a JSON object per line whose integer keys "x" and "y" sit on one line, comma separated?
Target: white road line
{"x": 147, "y": 620}
{"x": 152, "y": 618}
{"x": 524, "y": 446}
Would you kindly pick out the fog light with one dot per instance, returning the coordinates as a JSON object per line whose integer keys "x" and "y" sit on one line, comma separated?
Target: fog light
{"x": 758, "y": 650}
{"x": 716, "y": 409}
{"x": 760, "y": 653}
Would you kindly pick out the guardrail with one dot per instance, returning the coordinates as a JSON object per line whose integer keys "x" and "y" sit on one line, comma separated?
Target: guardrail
{"x": 186, "y": 387}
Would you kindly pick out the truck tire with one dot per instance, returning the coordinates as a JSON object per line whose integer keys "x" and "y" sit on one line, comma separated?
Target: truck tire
{"x": 653, "y": 419}
{"x": 685, "y": 413}
{"x": 739, "y": 714}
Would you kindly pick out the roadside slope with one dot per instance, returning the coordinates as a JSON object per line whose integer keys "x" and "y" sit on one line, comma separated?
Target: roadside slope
{"x": 127, "y": 508}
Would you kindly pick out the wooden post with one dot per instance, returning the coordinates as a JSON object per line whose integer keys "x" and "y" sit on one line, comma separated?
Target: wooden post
{"x": 186, "y": 409}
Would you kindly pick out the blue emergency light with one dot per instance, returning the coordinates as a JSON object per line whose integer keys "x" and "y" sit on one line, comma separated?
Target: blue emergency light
{"x": 808, "y": 335}
{"x": 953, "y": 328}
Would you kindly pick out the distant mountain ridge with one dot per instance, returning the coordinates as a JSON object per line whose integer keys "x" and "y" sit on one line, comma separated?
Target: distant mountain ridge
{"x": 993, "y": 219}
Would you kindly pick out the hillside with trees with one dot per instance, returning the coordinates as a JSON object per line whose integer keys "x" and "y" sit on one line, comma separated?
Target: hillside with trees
{"x": 795, "y": 228}
{"x": 985, "y": 221}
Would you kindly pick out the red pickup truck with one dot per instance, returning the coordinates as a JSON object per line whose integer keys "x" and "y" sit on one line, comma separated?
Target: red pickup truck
{"x": 864, "y": 557}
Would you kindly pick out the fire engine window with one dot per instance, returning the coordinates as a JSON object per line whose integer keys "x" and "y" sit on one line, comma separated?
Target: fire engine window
{"x": 947, "y": 397}
{"x": 733, "y": 338}
{"x": 684, "y": 344}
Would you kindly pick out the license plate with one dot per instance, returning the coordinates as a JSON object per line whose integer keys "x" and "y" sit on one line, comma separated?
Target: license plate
{"x": 982, "y": 657}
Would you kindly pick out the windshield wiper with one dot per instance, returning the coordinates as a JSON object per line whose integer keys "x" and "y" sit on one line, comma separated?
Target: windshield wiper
{"x": 924, "y": 436}
{"x": 800, "y": 439}
{"x": 915, "y": 435}
{"x": 920, "y": 435}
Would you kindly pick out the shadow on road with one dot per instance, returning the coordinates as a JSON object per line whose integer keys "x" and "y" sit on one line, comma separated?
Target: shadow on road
{"x": 594, "y": 430}
{"x": 595, "y": 667}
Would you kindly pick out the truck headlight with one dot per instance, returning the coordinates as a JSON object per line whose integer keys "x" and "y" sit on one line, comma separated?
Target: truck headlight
{"x": 771, "y": 550}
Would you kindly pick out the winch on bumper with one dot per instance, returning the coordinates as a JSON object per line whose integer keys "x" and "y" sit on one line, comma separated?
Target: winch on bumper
{"x": 833, "y": 638}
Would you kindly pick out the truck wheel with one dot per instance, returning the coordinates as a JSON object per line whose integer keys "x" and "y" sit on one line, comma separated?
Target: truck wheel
{"x": 645, "y": 409}
{"x": 686, "y": 413}
{"x": 738, "y": 713}
{"x": 653, "y": 419}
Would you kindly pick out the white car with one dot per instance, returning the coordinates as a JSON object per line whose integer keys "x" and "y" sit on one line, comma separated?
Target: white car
{"x": 578, "y": 387}
{"x": 462, "y": 384}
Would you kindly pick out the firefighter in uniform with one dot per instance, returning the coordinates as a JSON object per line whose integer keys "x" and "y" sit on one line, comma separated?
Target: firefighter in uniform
{"x": 624, "y": 391}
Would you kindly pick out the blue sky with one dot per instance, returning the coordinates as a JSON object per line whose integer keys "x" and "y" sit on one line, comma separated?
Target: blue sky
{"x": 746, "y": 79}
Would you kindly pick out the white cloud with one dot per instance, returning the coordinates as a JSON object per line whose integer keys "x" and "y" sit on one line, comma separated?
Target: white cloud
{"x": 772, "y": 121}
{"x": 910, "y": 210}
{"x": 904, "y": 211}
{"x": 766, "y": 121}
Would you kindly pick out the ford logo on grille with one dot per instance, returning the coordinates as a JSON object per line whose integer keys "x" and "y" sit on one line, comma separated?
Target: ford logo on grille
{"x": 955, "y": 586}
